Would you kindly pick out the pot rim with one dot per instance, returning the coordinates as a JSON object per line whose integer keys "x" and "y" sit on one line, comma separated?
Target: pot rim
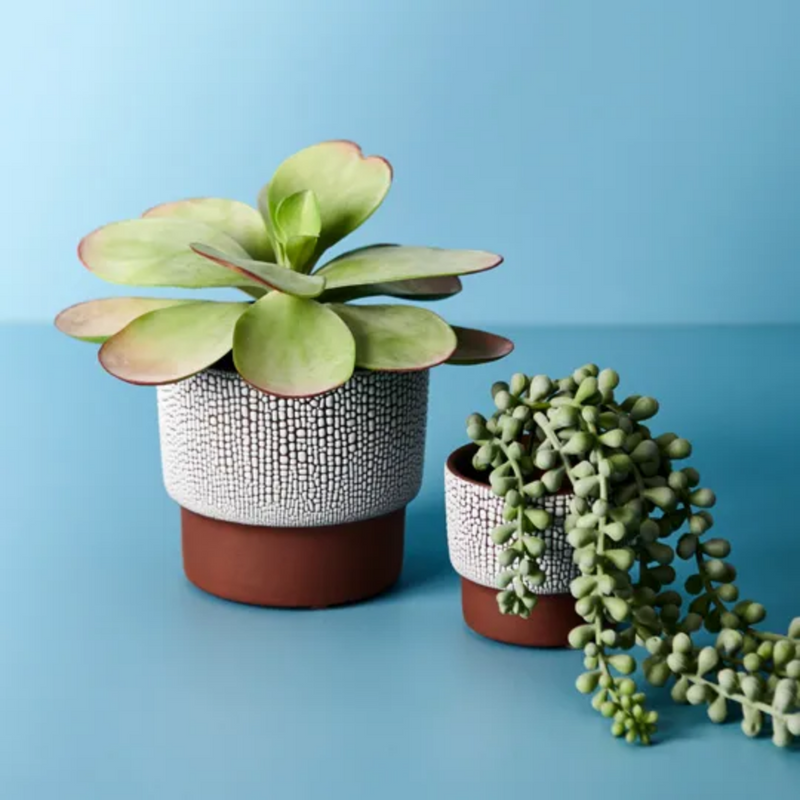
{"x": 468, "y": 450}
{"x": 222, "y": 367}
{"x": 456, "y": 457}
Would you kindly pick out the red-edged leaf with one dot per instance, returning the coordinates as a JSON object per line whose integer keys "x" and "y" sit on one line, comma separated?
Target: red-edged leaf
{"x": 96, "y": 320}
{"x": 477, "y": 347}
{"x": 291, "y": 347}
{"x": 272, "y": 276}
{"x": 397, "y": 338}
{"x": 172, "y": 343}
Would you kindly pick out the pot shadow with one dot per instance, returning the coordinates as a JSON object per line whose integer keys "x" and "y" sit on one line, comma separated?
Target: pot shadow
{"x": 426, "y": 562}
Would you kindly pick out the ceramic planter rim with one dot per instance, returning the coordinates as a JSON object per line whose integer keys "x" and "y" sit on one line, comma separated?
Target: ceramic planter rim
{"x": 465, "y": 449}
{"x": 456, "y": 456}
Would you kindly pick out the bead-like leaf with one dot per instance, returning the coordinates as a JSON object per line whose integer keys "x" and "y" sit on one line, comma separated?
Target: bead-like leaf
{"x": 96, "y": 320}
{"x": 156, "y": 252}
{"x": 291, "y": 347}
{"x": 269, "y": 275}
{"x": 581, "y": 636}
{"x": 478, "y": 347}
{"x": 348, "y": 186}
{"x": 397, "y": 338}
{"x": 238, "y": 220}
{"x": 386, "y": 263}
{"x": 170, "y": 344}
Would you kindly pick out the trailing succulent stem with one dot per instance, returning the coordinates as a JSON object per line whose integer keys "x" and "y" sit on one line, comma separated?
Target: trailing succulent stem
{"x": 629, "y": 504}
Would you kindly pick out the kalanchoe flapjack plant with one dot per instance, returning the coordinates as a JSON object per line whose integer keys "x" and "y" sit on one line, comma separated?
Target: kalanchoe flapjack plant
{"x": 298, "y": 334}
{"x": 630, "y": 501}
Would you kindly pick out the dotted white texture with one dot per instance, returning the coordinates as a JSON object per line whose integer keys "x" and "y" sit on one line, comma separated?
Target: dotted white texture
{"x": 473, "y": 511}
{"x": 233, "y": 453}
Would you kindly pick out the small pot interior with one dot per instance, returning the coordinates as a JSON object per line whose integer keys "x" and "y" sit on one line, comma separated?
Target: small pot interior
{"x": 460, "y": 464}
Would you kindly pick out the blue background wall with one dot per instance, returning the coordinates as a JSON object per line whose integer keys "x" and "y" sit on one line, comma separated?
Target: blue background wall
{"x": 634, "y": 161}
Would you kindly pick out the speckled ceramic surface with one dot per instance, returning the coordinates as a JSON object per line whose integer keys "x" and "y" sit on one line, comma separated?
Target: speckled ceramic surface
{"x": 473, "y": 511}
{"x": 233, "y": 453}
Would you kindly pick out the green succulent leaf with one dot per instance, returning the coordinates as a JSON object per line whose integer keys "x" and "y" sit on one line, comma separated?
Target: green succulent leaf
{"x": 388, "y": 263}
{"x": 256, "y": 292}
{"x": 421, "y": 289}
{"x": 299, "y": 251}
{"x": 170, "y": 344}
{"x": 437, "y": 288}
{"x": 478, "y": 347}
{"x": 263, "y": 208}
{"x": 293, "y": 347}
{"x": 348, "y": 186}
{"x": 156, "y": 252}
{"x": 238, "y": 220}
{"x": 298, "y": 215}
{"x": 397, "y": 338}
{"x": 297, "y": 228}
{"x": 96, "y": 320}
{"x": 271, "y": 276}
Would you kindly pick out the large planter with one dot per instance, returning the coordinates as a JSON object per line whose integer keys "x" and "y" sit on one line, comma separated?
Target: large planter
{"x": 293, "y": 502}
{"x": 472, "y": 512}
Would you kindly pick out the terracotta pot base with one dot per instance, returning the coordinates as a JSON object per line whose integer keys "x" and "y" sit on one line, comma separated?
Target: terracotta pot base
{"x": 548, "y": 626}
{"x": 293, "y": 567}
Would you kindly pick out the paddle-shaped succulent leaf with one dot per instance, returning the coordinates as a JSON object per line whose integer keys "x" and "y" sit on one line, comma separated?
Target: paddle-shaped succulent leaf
{"x": 348, "y": 186}
{"x": 392, "y": 263}
{"x": 156, "y": 252}
{"x": 243, "y": 223}
{"x": 291, "y": 347}
{"x": 422, "y": 290}
{"x": 172, "y": 343}
{"x": 270, "y": 275}
{"x": 397, "y": 338}
{"x": 297, "y": 229}
{"x": 438, "y": 288}
{"x": 299, "y": 337}
{"x": 478, "y": 347}
{"x": 96, "y": 320}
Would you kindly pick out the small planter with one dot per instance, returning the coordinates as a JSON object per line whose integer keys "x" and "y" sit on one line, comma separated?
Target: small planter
{"x": 293, "y": 502}
{"x": 472, "y": 512}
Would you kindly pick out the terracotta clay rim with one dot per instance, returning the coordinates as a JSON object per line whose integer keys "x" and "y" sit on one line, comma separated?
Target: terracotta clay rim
{"x": 460, "y": 456}
{"x": 548, "y": 625}
{"x": 315, "y": 567}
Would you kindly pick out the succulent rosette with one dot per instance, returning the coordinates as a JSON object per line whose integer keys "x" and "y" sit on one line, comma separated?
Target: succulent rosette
{"x": 298, "y": 331}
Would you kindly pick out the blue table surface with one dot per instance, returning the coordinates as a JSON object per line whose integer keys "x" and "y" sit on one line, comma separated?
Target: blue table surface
{"x": 119, "y": 680}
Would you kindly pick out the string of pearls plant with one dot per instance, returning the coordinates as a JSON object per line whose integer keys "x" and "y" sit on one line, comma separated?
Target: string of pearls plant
{"x": 630, "y": 503}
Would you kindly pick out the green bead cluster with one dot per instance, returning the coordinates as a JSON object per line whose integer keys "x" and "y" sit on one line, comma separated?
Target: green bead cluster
{"x": 630, "y": 504}
{"x": 615, "y": 696}
{"x": 759, "y": 675}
